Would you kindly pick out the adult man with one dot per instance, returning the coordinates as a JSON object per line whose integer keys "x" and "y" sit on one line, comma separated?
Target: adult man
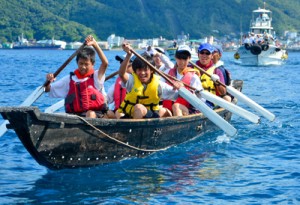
{"x": 205, "y": 55}
{"x": 162, "y": 62}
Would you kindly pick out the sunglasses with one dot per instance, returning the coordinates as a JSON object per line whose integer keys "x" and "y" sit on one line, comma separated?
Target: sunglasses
{"x": 205, "y": 53}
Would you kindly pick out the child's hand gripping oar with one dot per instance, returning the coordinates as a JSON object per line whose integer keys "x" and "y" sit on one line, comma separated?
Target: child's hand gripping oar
{"x": 196, "y": 102}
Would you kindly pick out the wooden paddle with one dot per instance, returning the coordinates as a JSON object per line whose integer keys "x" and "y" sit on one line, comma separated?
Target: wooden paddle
{"x": 196, "y": 102}
{"x": 112, "y": 75}
{"x": 41, "y": 89}
{"x": 241, "y": 97}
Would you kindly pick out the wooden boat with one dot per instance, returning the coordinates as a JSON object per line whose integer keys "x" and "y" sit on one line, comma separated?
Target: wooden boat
{"x": 60, "y": 140}
{"x": 265, "y": 53}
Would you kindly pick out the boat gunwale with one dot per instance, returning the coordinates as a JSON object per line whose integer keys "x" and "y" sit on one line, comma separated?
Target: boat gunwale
{"x": 74, "y": 119}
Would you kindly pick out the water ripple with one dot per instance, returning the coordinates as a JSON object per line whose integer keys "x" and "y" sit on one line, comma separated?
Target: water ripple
{"x": 260, "y": 165}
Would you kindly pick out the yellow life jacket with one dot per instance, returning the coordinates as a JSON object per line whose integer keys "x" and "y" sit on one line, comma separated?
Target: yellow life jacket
{"x": 207, "y": 82}
{"x": 139, "y": 95}
{"x": 190, "y": 70}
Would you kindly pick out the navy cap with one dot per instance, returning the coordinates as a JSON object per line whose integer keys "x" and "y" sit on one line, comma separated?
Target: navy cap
{"x": 218, "y": 49}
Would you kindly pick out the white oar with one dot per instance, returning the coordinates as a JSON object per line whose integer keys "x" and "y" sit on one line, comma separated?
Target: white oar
{"x": 225, "y": 104}
{"x": 33, "y": 96}
{"x": 243, "y": 98}
{"x": 55, "y": 106}
{"x": 27, "y": 102}
{"x": 230, "y": 106}
{"x": 240, "y": 96}
{"x": 196, "y": 102}
{"x": 50, "y": 109}
{"x": 40, "y": 90}
{"x": 3, "y": 128}
{"x": 207, "y": 111}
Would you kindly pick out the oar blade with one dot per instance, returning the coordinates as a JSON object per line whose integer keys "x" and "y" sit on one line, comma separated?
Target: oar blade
{"x": 50, "y": 109}
{"x": 55, "y": 106}
{"x": 33, "y": 96}
{"x": 243, "y": 98}
{"x": 27, "y": 102}
{"x": 3, "y": 128}
{"x": 208, "y": 112}
{"x": 231, "y": 107}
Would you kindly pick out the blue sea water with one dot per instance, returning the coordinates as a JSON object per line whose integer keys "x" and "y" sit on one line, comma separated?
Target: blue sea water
{"x": 260, "y": 165}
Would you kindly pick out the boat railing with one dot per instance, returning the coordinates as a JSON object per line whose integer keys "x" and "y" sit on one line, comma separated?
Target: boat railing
{"x": 261, "y": 23}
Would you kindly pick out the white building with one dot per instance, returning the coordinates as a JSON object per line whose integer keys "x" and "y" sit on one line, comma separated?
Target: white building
{"x": 114, "y": 41}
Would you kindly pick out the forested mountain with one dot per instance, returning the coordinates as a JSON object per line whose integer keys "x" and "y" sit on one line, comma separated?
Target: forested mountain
{"x": 72, "y": 20}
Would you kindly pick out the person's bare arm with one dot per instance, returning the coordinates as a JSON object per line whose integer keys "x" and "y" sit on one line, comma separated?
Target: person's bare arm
{"x": 122, "y": 71}
{"x": 90, "y": 41}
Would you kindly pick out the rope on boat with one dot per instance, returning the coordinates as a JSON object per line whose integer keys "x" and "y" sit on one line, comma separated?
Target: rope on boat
{"x": 116, "y": 140}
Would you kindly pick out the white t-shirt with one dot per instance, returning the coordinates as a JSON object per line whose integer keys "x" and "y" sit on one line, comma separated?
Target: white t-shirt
{"x": 247, "y": 40}
{"x": 60, "y": 88}
{"x": 110, "y": 94}
{"x": 110, "y": 97}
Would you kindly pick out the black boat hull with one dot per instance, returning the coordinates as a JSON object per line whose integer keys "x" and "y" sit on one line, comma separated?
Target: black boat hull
{"x": 59, "y": 140}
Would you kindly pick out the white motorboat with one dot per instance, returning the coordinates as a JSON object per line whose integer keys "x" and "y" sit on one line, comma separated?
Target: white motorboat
{"x": 260, "y": 48}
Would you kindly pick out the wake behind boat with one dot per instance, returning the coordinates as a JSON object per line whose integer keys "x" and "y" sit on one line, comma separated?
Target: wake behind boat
{"x": 260, "y": 48}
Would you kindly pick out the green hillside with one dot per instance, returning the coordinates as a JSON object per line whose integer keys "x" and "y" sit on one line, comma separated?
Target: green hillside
{"x": 72, "y": 20}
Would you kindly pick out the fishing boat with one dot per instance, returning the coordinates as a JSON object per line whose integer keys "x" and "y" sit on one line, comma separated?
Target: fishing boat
{"x": 60, "y": 140}
{"x": 260, "y": 47}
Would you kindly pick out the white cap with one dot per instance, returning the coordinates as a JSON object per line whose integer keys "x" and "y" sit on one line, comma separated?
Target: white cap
{"x": 184, "y": 48}
{"x": 160, "y": 50}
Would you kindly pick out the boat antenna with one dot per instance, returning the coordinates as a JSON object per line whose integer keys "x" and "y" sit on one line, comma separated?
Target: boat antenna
{"x": 264, "y": 5}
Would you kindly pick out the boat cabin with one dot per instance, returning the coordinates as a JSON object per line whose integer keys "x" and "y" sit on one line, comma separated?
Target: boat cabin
{"x": 261, "y": 21}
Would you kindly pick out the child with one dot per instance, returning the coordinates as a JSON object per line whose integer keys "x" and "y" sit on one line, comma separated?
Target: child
{"x": 116, "y": 93}
{"x": 205, "y": 55}
{"x": 83, "y": 89}
{"x": 189, "y": 76}
{"x": 144, "y": 90}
